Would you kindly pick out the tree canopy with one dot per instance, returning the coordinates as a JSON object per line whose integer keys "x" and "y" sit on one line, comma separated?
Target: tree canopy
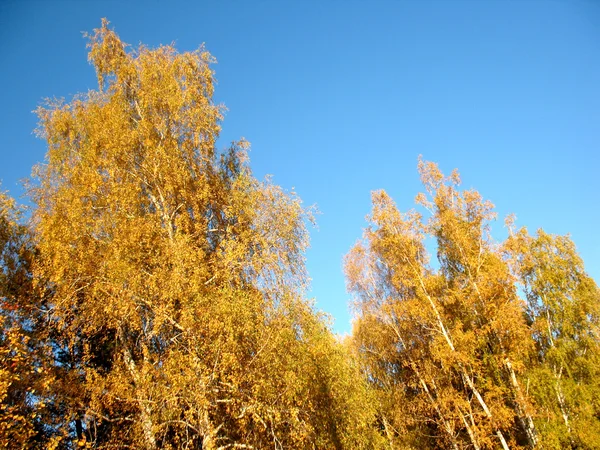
{"x": 177, "y": 317}
{"x": 457, "y": 357}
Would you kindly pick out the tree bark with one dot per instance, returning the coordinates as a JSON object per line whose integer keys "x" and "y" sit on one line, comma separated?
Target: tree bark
{"x": 524, "y": 418}
{"x": 145, "y": 410}
{"x": 445, "y": 423}
{"x": 471, "y": 432}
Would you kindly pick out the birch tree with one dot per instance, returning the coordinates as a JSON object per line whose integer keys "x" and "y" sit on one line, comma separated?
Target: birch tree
{"x": 563, "y": 308}
{"x": 452, "y": 339}
{"x": 177, "y": 277}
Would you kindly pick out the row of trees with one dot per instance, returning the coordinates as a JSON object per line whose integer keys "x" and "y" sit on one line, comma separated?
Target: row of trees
{"x": 155, "y": 297}
{"x": 496, "y": 346}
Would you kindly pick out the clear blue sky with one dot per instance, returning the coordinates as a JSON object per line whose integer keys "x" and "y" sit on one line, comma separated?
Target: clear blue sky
{"x": 339, "y": 98}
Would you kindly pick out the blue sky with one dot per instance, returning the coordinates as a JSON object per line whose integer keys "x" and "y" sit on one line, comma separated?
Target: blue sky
{"x": 339, "y": 98}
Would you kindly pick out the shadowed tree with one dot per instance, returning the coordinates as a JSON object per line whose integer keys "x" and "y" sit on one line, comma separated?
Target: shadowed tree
{"x": 27, "y": 415}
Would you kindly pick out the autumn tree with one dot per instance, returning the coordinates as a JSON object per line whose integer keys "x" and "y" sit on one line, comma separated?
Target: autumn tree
{"x": 177, "y": 277}
{"x": 444, "y": 346}
{"x": 563, "y": 308}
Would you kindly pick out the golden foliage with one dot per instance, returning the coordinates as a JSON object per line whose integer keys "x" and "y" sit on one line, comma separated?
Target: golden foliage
{"x": 156, "y": 299}
{"x": 443, "y": 346}
{"x": 177, "y": 277}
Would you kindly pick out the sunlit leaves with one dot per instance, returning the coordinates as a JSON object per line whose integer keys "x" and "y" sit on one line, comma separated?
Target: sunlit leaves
{"x": 177, "y": 277}
{"x": 447, "y": 340}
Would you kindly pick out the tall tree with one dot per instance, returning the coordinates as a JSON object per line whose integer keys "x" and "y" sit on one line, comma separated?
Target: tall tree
{"x": 450, "y": 340}
{"x": 177, "y": 276}
{"x": 563, "y": 308}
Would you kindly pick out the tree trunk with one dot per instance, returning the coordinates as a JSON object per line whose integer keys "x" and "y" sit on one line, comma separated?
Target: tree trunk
{"x": 145, "y": 410}
{"x": 525, "y": 419}
{"x": 447, "y": 426}
{"x": 471, "y": 432}
{"x": 561, "y": 400}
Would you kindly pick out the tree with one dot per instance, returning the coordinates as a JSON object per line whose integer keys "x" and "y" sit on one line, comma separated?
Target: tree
{"x": 177, "y": 277}
{"x": 446, "y": 346}
{"x": 563, "y": 308}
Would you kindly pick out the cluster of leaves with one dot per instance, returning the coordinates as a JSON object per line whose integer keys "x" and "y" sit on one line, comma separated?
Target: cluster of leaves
{"x": 155, "y": 299}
